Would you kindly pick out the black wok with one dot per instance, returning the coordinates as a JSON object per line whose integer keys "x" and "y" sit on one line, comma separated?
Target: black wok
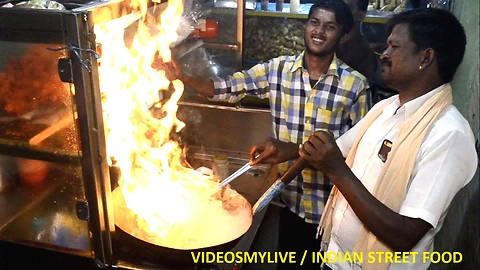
{"x": 141, "y": 249}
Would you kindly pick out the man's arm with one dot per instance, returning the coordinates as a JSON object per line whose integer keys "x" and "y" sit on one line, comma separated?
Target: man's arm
{"x": 399, "y": 232}
{"x": 203, "y": 86}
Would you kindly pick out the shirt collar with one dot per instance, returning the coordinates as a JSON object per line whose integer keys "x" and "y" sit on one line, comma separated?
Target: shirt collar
{"x": 413, "y": 105}
{"x": 332, "y": 69}
{"x": 298, "y": 62}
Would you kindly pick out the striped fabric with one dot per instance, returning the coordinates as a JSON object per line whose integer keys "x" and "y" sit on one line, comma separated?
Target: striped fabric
{"x": 337, "y": 101}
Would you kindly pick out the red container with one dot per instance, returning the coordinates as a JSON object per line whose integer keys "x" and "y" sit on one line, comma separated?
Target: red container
{"x": 205, "y": 28}
{"x": 31, "y": 171}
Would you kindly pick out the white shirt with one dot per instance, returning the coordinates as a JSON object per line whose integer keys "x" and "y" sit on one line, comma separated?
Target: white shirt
{"x": 446, "y": 162}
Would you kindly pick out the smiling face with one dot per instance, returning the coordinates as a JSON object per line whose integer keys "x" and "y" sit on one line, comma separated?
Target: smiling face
{"x": 322, "y": 33}
{"x": 400, "y": 60}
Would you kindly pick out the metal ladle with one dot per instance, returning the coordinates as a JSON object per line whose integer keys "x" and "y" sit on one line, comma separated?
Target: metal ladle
{"x": 286, "y": 178}
{"x": 233, "y": 176}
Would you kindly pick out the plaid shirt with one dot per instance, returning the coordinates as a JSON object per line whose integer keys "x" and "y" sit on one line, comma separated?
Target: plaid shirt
{"x": 337, "y": 101}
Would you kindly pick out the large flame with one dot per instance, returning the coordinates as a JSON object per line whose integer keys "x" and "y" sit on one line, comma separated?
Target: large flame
{"x": 172, "y": 203}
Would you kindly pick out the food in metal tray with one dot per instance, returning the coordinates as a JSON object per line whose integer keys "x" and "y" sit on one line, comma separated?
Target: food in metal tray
{"x": 30, "y": 81}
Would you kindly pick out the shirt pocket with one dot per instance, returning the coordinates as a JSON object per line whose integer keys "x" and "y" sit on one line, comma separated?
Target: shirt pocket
{"x": 329, "y": 117}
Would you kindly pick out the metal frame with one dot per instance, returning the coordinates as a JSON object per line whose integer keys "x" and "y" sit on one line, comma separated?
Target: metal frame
{"x": 94, "y": 159}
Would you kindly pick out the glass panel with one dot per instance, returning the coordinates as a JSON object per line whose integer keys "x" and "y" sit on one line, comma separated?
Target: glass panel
{"x": 40, "y": 172}
{"x": 36, "y": 112}
{"x": 227, "y": 25}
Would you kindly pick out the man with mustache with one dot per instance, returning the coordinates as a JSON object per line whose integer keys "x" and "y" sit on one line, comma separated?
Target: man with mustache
{"x": 407, "y": 159}
{"x": 310, "y": 91}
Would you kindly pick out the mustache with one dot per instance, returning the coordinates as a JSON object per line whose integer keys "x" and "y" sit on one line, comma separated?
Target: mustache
{"x": 386, "y": 63}
{"x": 383, "y": 61}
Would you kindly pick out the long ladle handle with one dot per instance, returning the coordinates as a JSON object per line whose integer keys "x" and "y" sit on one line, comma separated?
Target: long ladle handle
{"x": 293, "y": 171}
{"x": 278, "y": 185}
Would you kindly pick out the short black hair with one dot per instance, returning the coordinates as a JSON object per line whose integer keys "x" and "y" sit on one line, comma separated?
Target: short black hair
{"x": 362, "y": 5}
{"x": 343, "y": 14}
{"x": 437, "y": 29}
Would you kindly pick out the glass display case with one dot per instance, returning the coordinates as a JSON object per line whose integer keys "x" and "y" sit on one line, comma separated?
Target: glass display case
{"x": 54, "y": 166}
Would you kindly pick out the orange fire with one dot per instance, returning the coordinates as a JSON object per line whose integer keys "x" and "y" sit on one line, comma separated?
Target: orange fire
{"x": 172, "y": 204}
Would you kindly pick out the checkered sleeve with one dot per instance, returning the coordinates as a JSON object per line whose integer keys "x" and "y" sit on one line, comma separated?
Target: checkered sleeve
{"x": 360, "y": 105}
{"x": 254, "y": 81}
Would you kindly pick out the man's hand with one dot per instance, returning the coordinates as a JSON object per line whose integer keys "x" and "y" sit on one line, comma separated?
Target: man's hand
{"x": 273, "y": 151}
{"x": 172, "y": 69}
{"x": 323, "y": 154}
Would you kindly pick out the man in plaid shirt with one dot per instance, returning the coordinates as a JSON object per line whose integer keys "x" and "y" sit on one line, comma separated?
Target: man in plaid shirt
{"x": 307, "y": 92}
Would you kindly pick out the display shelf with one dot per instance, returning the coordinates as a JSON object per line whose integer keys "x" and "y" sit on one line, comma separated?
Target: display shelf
{"x": 371, "y": 17}
{"x": 59, "y": 147}
{"x": 377, "y": 16}
{"x": 48, "y": 134}
{"x": 49, "y": 154}
{"x": 285, "y": 13}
